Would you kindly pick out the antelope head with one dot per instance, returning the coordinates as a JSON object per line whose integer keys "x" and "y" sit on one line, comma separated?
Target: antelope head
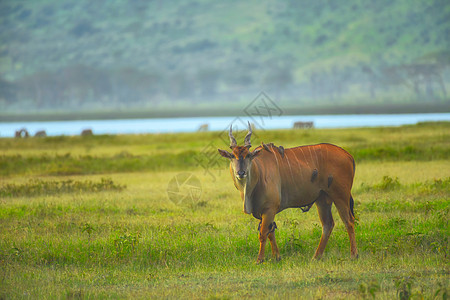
{"x": 240, "y": 156}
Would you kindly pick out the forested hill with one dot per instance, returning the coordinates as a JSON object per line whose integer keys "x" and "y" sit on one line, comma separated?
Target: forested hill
{"x": 138, "y": 53}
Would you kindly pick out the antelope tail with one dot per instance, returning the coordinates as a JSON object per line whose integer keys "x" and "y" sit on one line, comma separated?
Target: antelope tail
{"x": 352, "y": 203}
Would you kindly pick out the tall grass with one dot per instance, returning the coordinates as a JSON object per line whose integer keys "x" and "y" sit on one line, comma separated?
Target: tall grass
{"x": 86, "y": 242}
{"x": 37, "y": 187}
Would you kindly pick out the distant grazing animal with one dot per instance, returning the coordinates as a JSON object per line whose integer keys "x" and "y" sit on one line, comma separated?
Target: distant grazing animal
{"x": 303, "y": 125}
{"x": 22, "y": 133}
{"x": 271, "y": 179}
{"x": 87, "y": 132}
{"x": 203, "y": 127}
{"x": 40, "y": 133}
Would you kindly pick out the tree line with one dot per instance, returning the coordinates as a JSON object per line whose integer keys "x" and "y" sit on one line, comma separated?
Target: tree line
{"x": 84, "y": 86}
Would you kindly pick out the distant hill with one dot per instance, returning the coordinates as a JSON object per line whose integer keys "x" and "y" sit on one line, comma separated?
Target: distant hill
{"x": 88, "y": 55}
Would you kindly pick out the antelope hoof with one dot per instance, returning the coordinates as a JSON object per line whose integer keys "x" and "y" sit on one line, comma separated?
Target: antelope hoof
{"x": 259, "y": 261}
{"x": 316, "y": 257}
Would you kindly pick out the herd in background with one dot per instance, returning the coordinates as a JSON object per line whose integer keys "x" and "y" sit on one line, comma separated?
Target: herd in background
{"x": 297, "y": 125}
{"x": 23, "y": 132}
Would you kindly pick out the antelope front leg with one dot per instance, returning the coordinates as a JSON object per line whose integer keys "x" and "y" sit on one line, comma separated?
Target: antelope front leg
{"x": 273, "y": 243}
{"x": 267, "y": 220}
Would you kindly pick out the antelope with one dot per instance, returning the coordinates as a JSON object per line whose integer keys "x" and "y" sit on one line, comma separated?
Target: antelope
{"x": 40, "y": 133}
{"x": 203, "y": 127}
{"x": 303, "y": 125}
{"x": 271, "y": 179}
{"x": 86, "y": 132}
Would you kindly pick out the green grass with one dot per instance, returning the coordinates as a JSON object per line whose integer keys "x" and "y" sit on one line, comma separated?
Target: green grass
{"x": 163, "y": 152}
{"x": 134, "y": 242}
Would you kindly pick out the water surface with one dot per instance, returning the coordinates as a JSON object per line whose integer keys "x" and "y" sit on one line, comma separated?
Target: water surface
{"x": 166, "y": 125}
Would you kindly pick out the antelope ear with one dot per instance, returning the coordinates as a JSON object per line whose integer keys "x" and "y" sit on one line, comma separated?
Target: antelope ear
{"x": 255, "y": 152}
{"x": 225, "y": 153}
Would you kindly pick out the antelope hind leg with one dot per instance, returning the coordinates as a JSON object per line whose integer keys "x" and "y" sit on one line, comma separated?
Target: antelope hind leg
{"x": 345, "y": 212}
{"x": 324, "y": 204}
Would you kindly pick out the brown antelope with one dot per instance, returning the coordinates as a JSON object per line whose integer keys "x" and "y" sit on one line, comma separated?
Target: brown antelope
{"x": 22, "y": 133}
{"x": 40, "y": 133}
{"x": 87, "y": 132}
{"x": 303, "y": 125}
{"x": 203, "y": 127}
{"x": 271, "y": 179}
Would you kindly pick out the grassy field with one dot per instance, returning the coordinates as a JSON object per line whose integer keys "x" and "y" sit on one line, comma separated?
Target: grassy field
{"x": 91, "y": 218}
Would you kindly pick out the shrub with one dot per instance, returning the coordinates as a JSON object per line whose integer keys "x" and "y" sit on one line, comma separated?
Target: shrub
{"x": 36, "y": 187}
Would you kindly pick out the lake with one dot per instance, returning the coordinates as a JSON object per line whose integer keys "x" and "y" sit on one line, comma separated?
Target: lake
{"x": 167, "y": 125}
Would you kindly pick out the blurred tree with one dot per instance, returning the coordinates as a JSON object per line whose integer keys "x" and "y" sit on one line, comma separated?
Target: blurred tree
{"x": 208, "y": 80}
{"x": 130, "y": 85}
{"x": 180, "y": 86}
{"x": 8, "y": 91}
{"x": 82, "y": 28}
{"x": 83, "y": 84}
{"x": 278, "y": 78}
{"x": 44, "y": 89}
{"x": 371, "y": 78}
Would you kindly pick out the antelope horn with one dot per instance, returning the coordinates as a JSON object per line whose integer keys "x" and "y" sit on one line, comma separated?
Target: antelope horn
{"x": 233, "y": 142}
{"x": 247, "y": 142}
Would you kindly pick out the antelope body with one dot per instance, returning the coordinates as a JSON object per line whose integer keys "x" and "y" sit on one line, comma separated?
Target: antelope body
{"x": 271, "y": 179}
{"x": 87, "y": 132}
{"x": 40, "y": 133}
{"x": 303, "y": 125}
